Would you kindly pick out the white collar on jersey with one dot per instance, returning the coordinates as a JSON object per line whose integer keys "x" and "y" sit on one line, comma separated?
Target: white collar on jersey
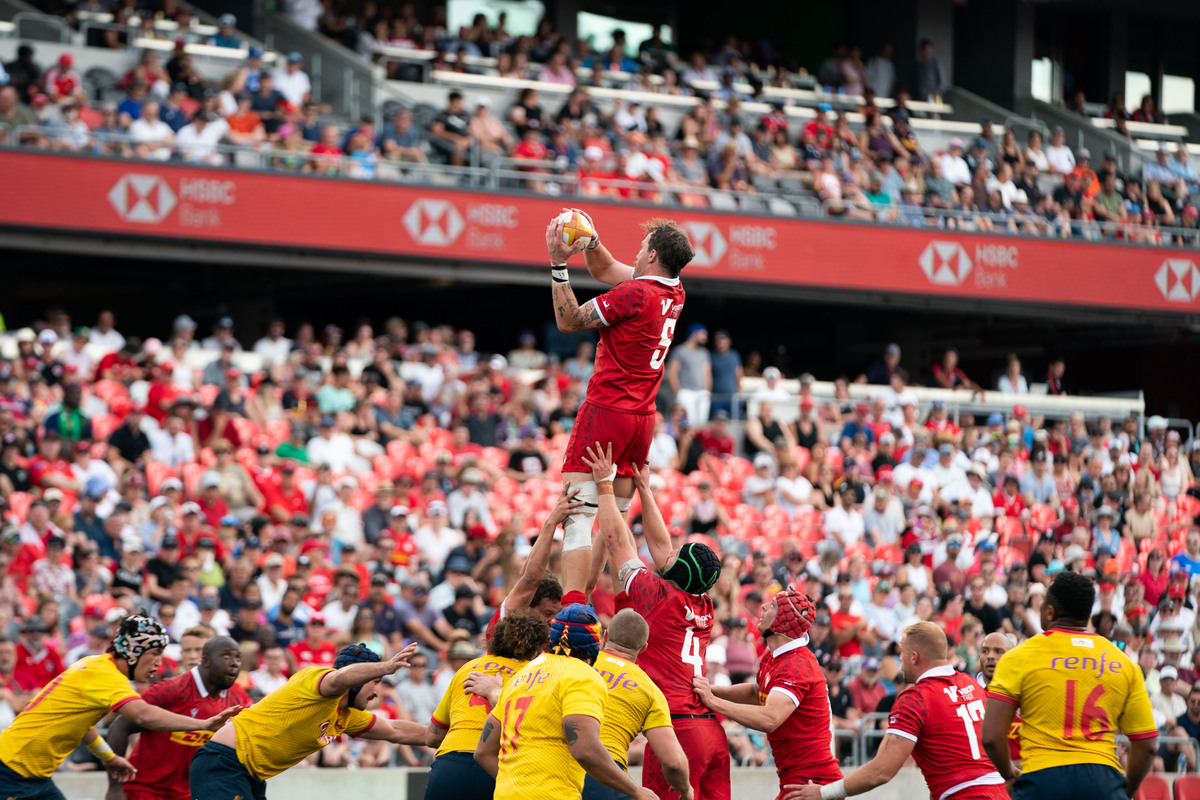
{"x": 794, "y": 644}
{"x": 663, "y": 281}
{"x": 937, "y": 672}
{"x": 200, "y": 687}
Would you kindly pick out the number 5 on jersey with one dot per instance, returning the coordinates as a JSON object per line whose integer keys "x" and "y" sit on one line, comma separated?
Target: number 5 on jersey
{"x": 664, "y": 343}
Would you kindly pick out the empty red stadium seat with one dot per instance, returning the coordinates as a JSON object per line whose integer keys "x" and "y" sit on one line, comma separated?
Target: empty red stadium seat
{"x": 1008, "y": 527}
{"x": 1154, "y": 787}
{"x": 1187, "y": 787}
{"x": 19, "y": 503}
{"x": 156, "y": 473}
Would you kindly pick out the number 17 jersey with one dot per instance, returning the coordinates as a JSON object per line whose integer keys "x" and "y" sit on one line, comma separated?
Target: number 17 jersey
{"x": 639, "y": 316}
{"x": 943, "y": 713}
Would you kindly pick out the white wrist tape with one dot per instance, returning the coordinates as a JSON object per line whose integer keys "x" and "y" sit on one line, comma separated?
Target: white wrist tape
{"x": 834, "y": 791}
{"x": 577, "y": 530}
{"x": 558, "y": 273}
{"x": 623, "y": 504}
{"x": 101, "y": 749}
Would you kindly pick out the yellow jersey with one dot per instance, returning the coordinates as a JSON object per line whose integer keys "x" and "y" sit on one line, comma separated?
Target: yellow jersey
{"x": 634, "y": 705}
{"x": 534, "y": 758}
{"x": 462, "y": 715}
{"x": 1075, "y": 690}
{"x": 293, "y": 722}
{"x": 54, "y": 722}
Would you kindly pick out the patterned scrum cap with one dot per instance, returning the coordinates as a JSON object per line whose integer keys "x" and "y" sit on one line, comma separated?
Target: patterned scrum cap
{"x": 575, "y": 631}
{"x": 796, "y": 614}
{"x": 136, "y": 636}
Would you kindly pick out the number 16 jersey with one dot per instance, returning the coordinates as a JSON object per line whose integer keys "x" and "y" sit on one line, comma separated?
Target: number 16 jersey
{"x": 639, "y": 315}
{"x": 943, "y": 713}
{"x": 680, "y": 627}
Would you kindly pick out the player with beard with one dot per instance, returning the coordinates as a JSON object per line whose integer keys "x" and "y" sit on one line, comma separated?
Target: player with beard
{"x": 311, "y": 710}
{"x": 162, "y": 759}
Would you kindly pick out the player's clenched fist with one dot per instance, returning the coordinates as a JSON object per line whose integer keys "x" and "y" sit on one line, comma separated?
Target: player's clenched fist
{"x": 559, "y": 250}
{"x": 703, "y": 689}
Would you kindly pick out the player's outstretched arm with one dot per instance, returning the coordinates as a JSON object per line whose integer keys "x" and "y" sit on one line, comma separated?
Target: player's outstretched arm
{"x": 154, "y": 718}
{"x": 997, "y": 720}
{"x": 343, "y": 680}
{"x": 538, "y": 559}
{"x": 599, "y": 559}
{"x": 396, "y": 731}
{"x": 654, "y": 527}
{"x": 583, "y": 740}
{"x": 765, "y": 718}
{"x": 893, "y": 752}
{"x": 568, "y": 314}
{"x": 672, "y": 759}
{"x": 487, "y": 751}
{"x": 612, "y": 525}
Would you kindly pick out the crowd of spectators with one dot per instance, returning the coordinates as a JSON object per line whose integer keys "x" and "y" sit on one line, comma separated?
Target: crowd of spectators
{"x": 299, "y": 505}
{"x": 876, "y": 169}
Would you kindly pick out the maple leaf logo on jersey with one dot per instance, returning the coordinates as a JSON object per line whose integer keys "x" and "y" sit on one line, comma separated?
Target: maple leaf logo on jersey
{"x": 194, "y": 710}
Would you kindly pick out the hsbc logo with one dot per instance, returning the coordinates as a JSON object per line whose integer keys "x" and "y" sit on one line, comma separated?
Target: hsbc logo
{"x": 434, "y": 222}
{"x": 707, "y": 242}
{"x": 1178, "y": 280}
{"x": 142, "y": 198}
{"x": 945, "y": 263}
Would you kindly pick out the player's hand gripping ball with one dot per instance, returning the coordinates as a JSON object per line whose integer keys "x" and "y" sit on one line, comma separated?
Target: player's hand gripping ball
{"x": 577, "y": 231}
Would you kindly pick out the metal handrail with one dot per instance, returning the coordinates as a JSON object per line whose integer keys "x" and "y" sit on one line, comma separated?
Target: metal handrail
{"x": 855, "y": 745}
{"x": 895, "y": 213}
{"x": 64, "y": 30}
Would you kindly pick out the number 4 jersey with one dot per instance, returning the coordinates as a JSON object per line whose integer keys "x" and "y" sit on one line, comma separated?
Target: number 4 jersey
{"x": 639, "y": 317}
{"x": 943, "y": 713}
{"x": 680, "y": 627}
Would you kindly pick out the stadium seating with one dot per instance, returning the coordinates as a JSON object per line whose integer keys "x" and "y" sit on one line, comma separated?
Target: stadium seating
{"x": 1154, "y": 787}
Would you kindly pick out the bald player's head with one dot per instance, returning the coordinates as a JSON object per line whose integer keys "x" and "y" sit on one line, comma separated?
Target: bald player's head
{"x": 922, "y": 647}
{"x": 220, "y": 662}
{"x": 627, "y": 632}
{"x": 993, "y": 646}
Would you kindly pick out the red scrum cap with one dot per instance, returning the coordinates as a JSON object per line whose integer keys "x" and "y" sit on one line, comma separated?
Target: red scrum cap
{"x": 795, "y": 616}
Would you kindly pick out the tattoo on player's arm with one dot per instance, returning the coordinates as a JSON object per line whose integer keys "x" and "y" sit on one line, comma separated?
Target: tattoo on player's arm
{"x": 571, "y": 731}
{"x": 487, "y": 729}
{"x": 574, "y": 316}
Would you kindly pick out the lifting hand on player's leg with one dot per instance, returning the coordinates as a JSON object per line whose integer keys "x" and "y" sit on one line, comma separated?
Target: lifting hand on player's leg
{"x": 566, "y": 503}
{"x": 601, "y": 463}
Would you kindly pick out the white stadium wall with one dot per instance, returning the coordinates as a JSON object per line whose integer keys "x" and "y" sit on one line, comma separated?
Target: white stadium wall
{"x": 407, "y": 784}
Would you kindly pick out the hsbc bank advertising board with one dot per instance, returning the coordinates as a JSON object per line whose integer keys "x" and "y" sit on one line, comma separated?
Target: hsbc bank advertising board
{"x": 65, "y": 193}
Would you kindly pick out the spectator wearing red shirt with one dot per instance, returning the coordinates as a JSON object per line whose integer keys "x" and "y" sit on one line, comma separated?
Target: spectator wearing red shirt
{"x": 849, "y": 631}
{"x": 593, "y": 177}
{"x": 285, "y": 499}
{"x": 37, "y": 664}
{"x": 531, "y": 148}
{"x": 939, "y": 422}
{"x": 715, "y": 439}
{"x": 1065, "y": 527}
{"x": 819, "y": 129}
{"x": 948, "y": 375}
{"x": 1007, "y": 499}
{"x": 951, "y": 618}
{"x": 212, "y": 506}
{"x": 314, "y": 650}
{"x": 11, "y": 690}
{"x": 865, "y": 689}
{"x": 162, "y": 393}
{"x": 49, "y": 470}
{"x": 120, "y": 366}
{"x": 62, "y": 81}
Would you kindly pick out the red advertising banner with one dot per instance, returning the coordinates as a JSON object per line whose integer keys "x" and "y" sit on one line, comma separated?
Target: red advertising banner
{"x": 146, "y": 199}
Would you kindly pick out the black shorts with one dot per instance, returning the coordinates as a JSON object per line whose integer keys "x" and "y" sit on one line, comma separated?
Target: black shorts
{"x": 216, "y": 774}
{"x": 1071, "y": 782}
{"x": 595, "y": 790}
{"x": 458, "y": 776}
{"x": 15, "y": 786}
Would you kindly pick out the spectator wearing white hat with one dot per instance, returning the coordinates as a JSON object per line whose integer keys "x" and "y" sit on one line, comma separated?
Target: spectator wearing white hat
{"x": 758, "y": 490}
{"x": 1166, "y": 701}
{"x": 954, "y": 166}
{"x": 469, "y": 496}
{"x": 772, "y": 390}
{"x": 435, "y": 539}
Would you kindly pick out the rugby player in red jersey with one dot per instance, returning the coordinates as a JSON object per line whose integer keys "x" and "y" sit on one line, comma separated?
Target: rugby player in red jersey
{"x": 680, "y": 615}
{"x": 938, "y": 722}
{"x": 636, "y": 320}
{"x": 162, "y": 759}
{"x": 789, "y": 699}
